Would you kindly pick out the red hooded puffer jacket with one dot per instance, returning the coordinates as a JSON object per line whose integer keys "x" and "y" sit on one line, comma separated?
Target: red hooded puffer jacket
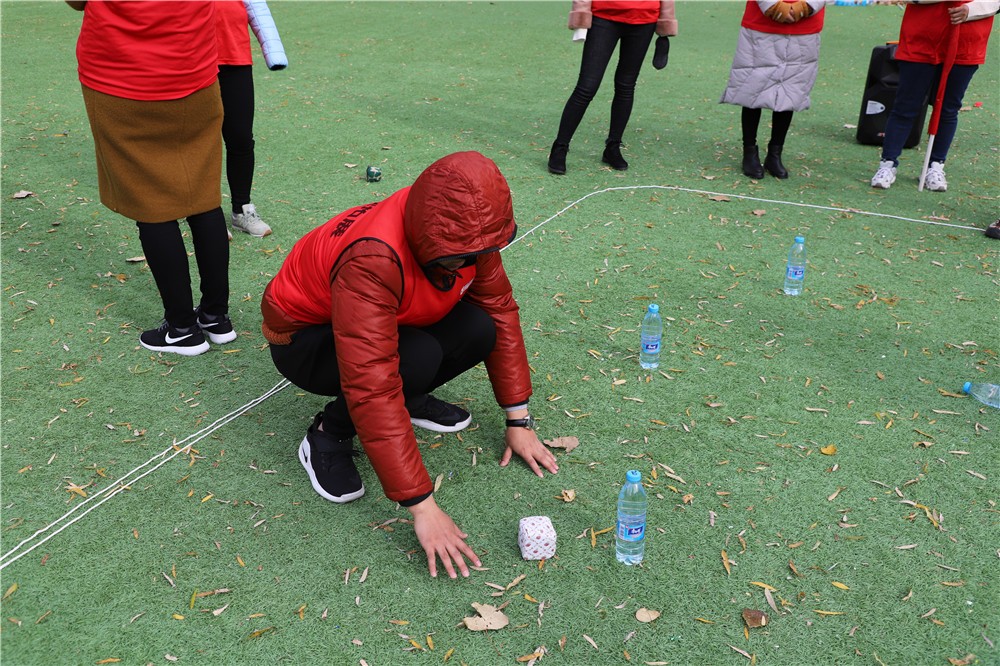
{"x": 362, "y": 272}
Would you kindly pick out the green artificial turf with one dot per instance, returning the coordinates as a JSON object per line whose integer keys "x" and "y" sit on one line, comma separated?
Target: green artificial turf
{"x": 818, "y": 440}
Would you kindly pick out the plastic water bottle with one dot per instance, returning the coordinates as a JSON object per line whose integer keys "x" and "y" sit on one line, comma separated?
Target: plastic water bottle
{"x": 795, "y": 270}
{"x": 630, "y": 537}
{"x": 988, "y": 394}
{"x": 650, "y": 338}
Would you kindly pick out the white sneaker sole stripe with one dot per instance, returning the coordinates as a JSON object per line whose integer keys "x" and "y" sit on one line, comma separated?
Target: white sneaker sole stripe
{"x": 437, "y": 427}
{"x": 183, "y": 351}
{"x": 220, "y": 338}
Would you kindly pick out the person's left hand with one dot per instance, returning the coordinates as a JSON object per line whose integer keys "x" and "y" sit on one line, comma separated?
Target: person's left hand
{"x": 800, "y": 10}
{"x": 526, "y": 444}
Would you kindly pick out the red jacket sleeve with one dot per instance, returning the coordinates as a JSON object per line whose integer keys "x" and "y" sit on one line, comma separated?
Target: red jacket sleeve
{"x": 507, "y": 365}
{"x": 366, "y": 286}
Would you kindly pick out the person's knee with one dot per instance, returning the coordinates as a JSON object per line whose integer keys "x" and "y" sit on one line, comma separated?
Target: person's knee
{"x": 584, "y": 92}
{"x": 483, "y": 331}
{"x": 420, "y": 357}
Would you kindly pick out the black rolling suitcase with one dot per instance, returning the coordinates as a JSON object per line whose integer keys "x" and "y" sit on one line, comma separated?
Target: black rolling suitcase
{"x": 880, "y": 93}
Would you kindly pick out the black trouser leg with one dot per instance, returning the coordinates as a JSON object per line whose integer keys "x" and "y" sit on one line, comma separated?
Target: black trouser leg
{"x": 635, "y": 41}
{"x": 167, "y": 259}
{"x": 780, "y": 122}
{"x": 428, "y": 357}
{"x": 602, "y": 37}
{"x": 211, "y": 252}
{"x": 236, "y": 85}
{"x": 749, "y": 122}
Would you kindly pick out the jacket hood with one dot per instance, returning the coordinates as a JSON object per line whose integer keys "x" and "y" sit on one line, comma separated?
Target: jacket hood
{"x": 460, "y": 206}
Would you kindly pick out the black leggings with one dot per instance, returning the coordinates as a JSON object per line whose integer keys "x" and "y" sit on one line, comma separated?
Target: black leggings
{"x": 167, "y": 258}
{"x": 780, "y": 122}
{"x": 428, "y": 357}
{"x": 236, "y": 84}
{"x": 602, "y": 37}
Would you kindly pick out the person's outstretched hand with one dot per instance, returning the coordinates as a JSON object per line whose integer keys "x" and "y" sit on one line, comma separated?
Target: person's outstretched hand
{"x": 440, "y": 538}
{"x": 526, "y": 444}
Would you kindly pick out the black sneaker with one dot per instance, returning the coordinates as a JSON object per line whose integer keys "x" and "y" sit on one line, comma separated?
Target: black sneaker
{"x": 440, "y": 416}
{"x": 218, "y": 328}
{"x": 330, "y": 465}
{"x": 188, "y": 341}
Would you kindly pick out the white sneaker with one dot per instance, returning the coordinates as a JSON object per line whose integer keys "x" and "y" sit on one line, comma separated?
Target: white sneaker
{"x": 935, "y": 180}
{"x": 885, "y": 176}
{"x": 249, "y": 222}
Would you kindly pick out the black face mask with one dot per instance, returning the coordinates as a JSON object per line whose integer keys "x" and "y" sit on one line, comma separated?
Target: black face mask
{"x": 443, "y": 278}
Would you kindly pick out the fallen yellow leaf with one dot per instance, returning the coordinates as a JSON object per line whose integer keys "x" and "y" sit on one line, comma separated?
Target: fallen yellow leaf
{"x": 261, "y": 632}
{"x": 839, "y": 586}
{"x": 725, "y": 562}
{"x": 828, "y": 450}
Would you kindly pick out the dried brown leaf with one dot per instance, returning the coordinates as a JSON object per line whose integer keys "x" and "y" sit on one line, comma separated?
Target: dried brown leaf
{"x": 567, "y": 443}
{"x": 488, "y": 618}
{"x": 646, "y": 615}
{"x": 754, "y": 618}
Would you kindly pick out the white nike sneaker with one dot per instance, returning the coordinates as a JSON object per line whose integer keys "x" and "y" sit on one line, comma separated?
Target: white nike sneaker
{"x": 885, "y": 176}
{"x": 188, "y": 341}
{"x": 935, "y": 180}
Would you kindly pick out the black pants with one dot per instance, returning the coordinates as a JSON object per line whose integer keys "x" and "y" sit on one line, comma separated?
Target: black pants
{"x": 428, "y": 357}
{"x": 602, "y": 37}
{"x": 167, "y": 258}
{"x": 750, "y": 121}
{"x": 236, "y": 84}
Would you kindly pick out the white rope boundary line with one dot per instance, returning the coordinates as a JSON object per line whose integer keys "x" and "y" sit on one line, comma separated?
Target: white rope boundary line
{"x": 127, "y": 480}
{"x": 121, "y": 484}
{"x": 676, "y": 188}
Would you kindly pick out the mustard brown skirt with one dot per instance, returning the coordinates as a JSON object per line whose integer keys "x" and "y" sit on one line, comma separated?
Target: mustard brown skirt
{"x": 158, "y": 161}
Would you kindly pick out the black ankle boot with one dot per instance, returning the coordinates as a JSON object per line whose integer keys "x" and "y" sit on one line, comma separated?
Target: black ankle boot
{"x": 772, "y": 162}
{"x": 751, "y": 162}
{"x": 613, "y": 156}
{"x": 557, "y": 158}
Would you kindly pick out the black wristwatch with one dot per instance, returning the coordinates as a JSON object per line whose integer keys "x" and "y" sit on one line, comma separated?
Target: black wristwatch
{"x": 527, "y": 423}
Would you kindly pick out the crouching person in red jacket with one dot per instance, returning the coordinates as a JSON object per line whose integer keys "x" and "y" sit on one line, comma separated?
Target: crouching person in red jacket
{"x": 383, "y": 304}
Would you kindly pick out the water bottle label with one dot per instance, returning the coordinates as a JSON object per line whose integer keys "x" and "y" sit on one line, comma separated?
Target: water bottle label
{"x": 796, "y": 272}
{"x": 631, "y": 532}
{"x": 651, "y": 346}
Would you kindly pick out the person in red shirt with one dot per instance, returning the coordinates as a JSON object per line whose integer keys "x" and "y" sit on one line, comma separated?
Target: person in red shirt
{"x": 775, "y": 66}
{"x": 236, "y": 86}
{"x": 148, "y": 72}
{"x": 923, "y": 43}
{"x": 607, "y": 23}
{"x": 383, "y": 304}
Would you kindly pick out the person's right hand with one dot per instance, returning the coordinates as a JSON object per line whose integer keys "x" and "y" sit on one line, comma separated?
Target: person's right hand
{"x": 958, "y": 14}
{"x": 781, "y": 12}
{"x": 440, "y": 538}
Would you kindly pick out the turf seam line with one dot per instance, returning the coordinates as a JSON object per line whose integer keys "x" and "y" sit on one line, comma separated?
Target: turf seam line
{"x": 123, "y": 483}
